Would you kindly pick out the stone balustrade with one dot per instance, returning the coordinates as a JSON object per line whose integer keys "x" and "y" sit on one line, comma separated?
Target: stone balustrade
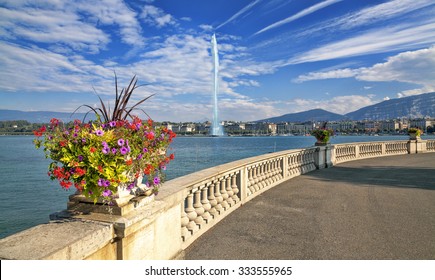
{"x": 360, "y": 150}
{"x": 229, "y": 186}
{"x": 430, "y": 145}
{"x": 185, "y": 208}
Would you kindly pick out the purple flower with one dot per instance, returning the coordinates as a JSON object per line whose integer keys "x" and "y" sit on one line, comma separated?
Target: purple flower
{"x": 130, "y": 187}
{"x": 107, "y": 193}
{"x": 114, "y": 150}
{"x": 99, "y": 132}
{"x": 106, "y": 150}
{"x": 124, "y": 150}
{"x": 106, "y": 183}
{"x": 156, "y": 180}
{"x": 100, "y": 182}
{"x": 75, "y": 135}
{"x": 145, "y": 150}
{"x": 104, "y": 143}
{"x": 121, "y": 142}
{"x": 80, "y": 158}
{"x": 112, "y": 124}
{"x": 139, "y": 156}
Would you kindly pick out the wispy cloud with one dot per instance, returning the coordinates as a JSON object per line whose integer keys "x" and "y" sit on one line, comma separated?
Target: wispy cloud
{"x": 380, "y": 12}
{"x": 367, "y": 16}
{"x": 301, "y": 14}
{"x": 413, "y": 67}
{"x": 239, "y": 13}
{"x": 375, "y": 41}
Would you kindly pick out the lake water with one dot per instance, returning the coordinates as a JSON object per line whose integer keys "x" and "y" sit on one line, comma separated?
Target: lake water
{"x": 28, "y": 196}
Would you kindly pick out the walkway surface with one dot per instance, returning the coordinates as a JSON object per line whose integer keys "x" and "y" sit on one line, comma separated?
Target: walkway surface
{"x": 381, "y": 208}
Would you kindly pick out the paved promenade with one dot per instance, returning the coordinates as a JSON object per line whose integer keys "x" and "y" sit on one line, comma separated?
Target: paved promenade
{"x": 381, "y": 208}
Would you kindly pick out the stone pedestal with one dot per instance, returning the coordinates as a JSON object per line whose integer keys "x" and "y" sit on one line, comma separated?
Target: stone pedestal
{"x": 417, "y": 146}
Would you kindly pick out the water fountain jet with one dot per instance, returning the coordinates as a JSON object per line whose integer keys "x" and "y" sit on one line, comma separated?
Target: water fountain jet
{"x": 216, "y": 127}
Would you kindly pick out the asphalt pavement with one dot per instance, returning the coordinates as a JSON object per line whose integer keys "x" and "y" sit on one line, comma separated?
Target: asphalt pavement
{"x": 380, "y": 208}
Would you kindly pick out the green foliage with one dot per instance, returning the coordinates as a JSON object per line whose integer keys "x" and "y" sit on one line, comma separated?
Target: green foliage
{"x": 99, "y": 156}
{"x": 322, "y": 135}
{"x": 121, "y": 111}
{"x": 414, "y": 130}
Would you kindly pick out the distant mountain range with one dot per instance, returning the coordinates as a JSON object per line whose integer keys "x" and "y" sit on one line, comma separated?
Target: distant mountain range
{"x": 311, "y": 115}
{"x": 41, "y": 116}
{"x": 417, "y": 106}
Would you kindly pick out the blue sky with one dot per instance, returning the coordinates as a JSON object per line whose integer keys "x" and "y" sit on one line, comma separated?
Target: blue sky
{"x": 276, "y": 56}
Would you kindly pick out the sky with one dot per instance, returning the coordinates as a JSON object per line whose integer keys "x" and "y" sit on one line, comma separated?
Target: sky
{"x": 276, "y": 56}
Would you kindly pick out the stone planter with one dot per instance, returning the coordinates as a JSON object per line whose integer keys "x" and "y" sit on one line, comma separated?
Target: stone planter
{"x": 320, "y": 143}
{"x": 414, "y": 136}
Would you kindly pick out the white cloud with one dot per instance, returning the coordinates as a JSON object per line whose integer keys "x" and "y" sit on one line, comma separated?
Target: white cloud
{"x": 375, "y": 41}
{"x": 337, "y": 104}
{"x": 115, "y": 12}
{"x": 333, "y": 74}
{"x": 206, "y": 27}
{"x": 239, "y": 13}
{"x": 380, "y": 12}
{"x": 75, "y": 25}
{"x": 301, "y": 14}
{"x": 417, "y": 91}
{"x": 156, "y": 16}
{"x": 414, "y": 10}
{"x": 414, "y": 67}
{"x": 51, "y": 26}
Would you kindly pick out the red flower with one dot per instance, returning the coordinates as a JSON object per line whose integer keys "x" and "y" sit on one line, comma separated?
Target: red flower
{"x": 37, "y": 133}
{"x": 65, "y": 184}
{"x": 40, "y": 131}
{"x": 80, "y": 171}
{"x": 150, "y": 136}
{"x": 171, "y": 156}
{"x": 148, "y": 169}
{"x": 93, "y": 149}
{"x": 54, "y": 122}
{"x": 129, "y": 162}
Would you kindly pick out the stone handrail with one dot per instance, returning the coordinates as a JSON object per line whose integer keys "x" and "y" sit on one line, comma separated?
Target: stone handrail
{"x": 359, "y": 150}
{"x": 212, "y": 194}
{"x": 185, "y": 208}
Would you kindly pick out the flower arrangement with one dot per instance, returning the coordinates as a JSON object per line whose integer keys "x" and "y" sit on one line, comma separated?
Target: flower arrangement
{"x": 322, "y": 135}
{"x": 99, "y": 156}
{"x": 414, "y": 130}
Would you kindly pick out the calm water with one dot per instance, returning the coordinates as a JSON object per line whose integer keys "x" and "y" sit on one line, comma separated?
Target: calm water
{"x": 28, "y": 196}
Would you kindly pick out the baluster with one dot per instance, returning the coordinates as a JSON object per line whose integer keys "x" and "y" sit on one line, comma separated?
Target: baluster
{"x": 251, "y": 180}
{"x": 256, "y": 178}
{"x": 235, "y": 188}
{"x": 184, "y": 223}
{"x": 198, "y": 208}
{"x": 250, "y": 186}
{"x": 219, "y": 199}
{"x": 224, "y": 195}
{"x": 261, "y": 176}
{"x": 191, "y": 213}
{"x": 206, "y": 204}
{"x": 212, "y": 200}
{"x": 229, "y": 191}
{"x": 268, "y": 169}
